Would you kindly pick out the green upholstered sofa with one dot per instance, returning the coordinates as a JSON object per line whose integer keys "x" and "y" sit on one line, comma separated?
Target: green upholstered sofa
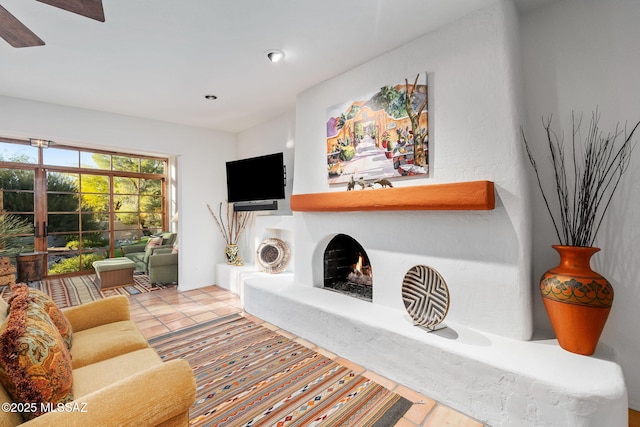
{"x": 140, "y": 253}
{"x": 117, "y": 378}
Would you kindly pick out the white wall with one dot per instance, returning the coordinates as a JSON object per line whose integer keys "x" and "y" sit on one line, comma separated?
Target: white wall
{"x": 474, "y": 119}
{"x": 274, "y": 136}
{"x": 201, "y": 156}
{"x": 579, "y": 55}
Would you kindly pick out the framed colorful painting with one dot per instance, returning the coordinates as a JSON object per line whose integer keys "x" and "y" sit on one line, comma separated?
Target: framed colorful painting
{"x": 383, "y": 135}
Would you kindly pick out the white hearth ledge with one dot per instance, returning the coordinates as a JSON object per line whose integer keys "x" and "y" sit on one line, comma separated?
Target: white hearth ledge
{"x": 500, "y": 381}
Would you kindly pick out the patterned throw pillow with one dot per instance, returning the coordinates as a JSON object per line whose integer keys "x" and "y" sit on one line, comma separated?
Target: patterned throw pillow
{"x": 56, "y": 315}
{"x": 35, "y": 365}
{"x": 154, "y": 242}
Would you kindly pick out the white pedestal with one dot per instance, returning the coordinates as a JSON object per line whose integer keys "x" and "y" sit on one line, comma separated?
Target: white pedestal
{"x": 231, "y": 277}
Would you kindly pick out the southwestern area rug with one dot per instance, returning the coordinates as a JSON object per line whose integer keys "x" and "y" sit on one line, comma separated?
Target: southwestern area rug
{"x": 249, "y": 375}
{"x": 71, "y": 291}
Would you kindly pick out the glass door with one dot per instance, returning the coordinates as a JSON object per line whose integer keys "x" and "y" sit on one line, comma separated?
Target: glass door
{"x": 77, "y": 220}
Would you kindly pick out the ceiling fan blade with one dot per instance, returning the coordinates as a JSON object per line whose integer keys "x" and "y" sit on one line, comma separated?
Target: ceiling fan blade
{"x": 89, "y": 8}
{"x": 15, "y": 32}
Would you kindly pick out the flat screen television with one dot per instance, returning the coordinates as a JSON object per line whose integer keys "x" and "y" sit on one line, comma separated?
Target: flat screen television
{"x": 256, "y": 178}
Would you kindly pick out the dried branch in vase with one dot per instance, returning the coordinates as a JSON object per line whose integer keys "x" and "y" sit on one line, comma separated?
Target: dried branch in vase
{"x": 584, "y": 181}
{"x": 235, "y": 224}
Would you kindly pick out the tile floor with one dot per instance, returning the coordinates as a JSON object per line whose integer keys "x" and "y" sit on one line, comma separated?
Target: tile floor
{"x": 169, "y": 309}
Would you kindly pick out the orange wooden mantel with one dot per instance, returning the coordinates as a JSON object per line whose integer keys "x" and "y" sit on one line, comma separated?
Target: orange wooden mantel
{"x": 473, "y": 195}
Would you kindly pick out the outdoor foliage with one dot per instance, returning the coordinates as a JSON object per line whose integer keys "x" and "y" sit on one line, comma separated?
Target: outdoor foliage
{"x": 72, "y": 265}
{"x": 11, "y": 227}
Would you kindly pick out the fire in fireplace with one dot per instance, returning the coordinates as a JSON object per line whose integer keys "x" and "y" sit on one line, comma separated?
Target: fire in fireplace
{"x": 347, "y": 268}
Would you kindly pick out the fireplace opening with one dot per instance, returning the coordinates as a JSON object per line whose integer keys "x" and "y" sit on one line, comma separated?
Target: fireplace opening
{"x": 347, "y": 268}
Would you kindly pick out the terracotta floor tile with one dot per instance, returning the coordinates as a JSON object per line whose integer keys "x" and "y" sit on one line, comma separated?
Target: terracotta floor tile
{"x": 443, "y": 416}
{"x": 212, "y": 290}
{"x": 183, "y": 306}
{"x": 349, "y": 364}
{"x": 149, "y": 323}
{"x": 253, "y": 318}
{"x": 148, "y": 296}
{"x": 326, "y": 353}
{"x": 415, "y": 397}
{"x": 419, "y": 412}
{"x": 199, "y": 296}
{"x": 166, "y": 318}
{"x": 386, "y": 382}
{"x": 137, "y": 309}
{"x": 403, "y": 422}
{"x": 270, "y": 326}
{"x": 161, "y": 308}
{"x": 204, "y": 317}
{"x": 304, "y": 342}
{"x": 194, "y": 309}
{"x": 154, "y": 331}
{"x": 223, "y": 311}
{"x": 213, "y": 303}
{"x": 192, "y": 292}
{"x": 140, "y": 314}
{"x": 180, "y": 323}
{"x": 285, "y": 333}
{"x": 175, "y": 299}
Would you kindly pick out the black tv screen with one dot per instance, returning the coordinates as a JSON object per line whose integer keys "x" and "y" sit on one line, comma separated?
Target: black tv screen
{"x": 256, "y": 178}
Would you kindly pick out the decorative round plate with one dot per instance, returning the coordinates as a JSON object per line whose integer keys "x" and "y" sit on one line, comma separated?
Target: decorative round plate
{"x": 273, "y": 255}
{"x": 425, "y": 296}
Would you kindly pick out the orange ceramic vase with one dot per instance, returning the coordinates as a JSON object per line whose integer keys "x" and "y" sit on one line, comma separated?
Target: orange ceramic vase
{"x": 578, "y": 300}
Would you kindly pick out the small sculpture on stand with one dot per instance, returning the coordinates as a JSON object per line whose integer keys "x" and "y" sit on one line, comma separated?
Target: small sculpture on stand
{"x": 382, "y": 182}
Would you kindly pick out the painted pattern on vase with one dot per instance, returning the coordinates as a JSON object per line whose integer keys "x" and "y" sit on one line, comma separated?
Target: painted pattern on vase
{"x": 233, "y": 255}
{"x": 577, "y": 299}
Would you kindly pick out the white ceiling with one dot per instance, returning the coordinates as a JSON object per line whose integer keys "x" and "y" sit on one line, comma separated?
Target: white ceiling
{"x": 158, "y": 58}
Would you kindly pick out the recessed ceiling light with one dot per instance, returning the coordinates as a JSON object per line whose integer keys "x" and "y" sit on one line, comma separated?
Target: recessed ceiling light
{"x": 212, "y": 97}
{"x": 275, "y": 55}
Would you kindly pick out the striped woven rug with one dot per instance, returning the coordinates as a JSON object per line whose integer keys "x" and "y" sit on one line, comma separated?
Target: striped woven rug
{"x": 248, "y": 375}
{"x": 76, "y": 290}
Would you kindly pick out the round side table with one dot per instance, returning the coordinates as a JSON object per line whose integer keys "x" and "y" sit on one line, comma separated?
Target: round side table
{"x": 30, "y": 266}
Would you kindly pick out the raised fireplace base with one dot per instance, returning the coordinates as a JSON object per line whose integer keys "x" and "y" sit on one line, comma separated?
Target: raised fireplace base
{"x": 500, "y": 381}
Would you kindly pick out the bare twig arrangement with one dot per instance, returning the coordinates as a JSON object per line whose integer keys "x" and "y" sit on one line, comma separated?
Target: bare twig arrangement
{"x": 235, "y": 224}
{"x": 584, "y": 185}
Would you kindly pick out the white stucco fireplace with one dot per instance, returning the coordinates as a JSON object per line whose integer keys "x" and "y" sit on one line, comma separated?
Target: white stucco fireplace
{"x": 499, "y": 380}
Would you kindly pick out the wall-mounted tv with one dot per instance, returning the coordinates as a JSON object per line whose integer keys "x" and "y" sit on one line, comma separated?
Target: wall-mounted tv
{"x": 256, "y": 178}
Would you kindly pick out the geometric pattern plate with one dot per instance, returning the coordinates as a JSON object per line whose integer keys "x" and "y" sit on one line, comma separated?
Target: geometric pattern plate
{"x": 273, "y": 255}
{"x": 425, "y": 296}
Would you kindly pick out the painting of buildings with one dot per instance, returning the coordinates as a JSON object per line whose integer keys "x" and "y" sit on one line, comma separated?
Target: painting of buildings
{"x": 383, "y": 135}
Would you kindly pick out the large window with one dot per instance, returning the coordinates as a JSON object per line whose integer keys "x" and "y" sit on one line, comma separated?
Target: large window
{"x": 77, "y": 205}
